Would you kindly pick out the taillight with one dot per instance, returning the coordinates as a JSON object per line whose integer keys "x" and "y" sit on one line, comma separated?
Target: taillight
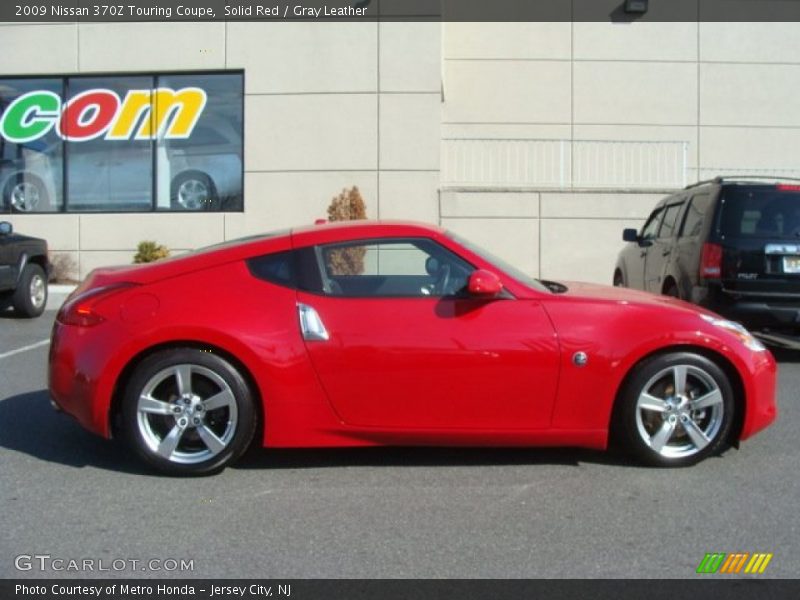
{"x": 788, "y": 187}
{"x": 711, "y": 260}
{"x": 80, "y": 310}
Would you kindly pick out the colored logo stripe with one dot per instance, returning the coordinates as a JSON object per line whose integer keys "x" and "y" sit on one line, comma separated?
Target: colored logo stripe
{"x": 758, "y": 564}
{"x": 734, "y": 563}
{"x": 711, "y": 562}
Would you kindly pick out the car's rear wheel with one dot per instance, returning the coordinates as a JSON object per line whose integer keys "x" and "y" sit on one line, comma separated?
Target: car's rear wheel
{"x": 188, "y": 412}
{"x": 30, "y": 297}
{"x": 676, "y": 409}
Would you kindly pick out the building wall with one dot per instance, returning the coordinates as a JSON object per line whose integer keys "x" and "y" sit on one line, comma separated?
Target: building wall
{"x": 326, "y": 107}
{"x": 727, "y": 89}
{"x": 329, "y": 106}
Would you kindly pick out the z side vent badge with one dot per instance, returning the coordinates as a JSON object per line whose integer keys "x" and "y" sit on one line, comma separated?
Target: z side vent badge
{"x": 311, "y": 325}
{"x": 579, "y": 359}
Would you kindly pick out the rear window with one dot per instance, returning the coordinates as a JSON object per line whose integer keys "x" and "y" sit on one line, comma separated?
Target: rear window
{"x": 760, "y": 212}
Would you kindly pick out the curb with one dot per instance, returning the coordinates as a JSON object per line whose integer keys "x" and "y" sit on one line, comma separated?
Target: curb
{"x": 61, "y": 289}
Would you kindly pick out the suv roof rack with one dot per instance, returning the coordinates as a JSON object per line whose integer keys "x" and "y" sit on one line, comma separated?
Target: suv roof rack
{"x": 742, "y": 178}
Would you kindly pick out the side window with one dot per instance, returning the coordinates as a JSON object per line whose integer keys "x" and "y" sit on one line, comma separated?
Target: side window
{"x": 391, "y": 268}
{"x": 276, "y": 268}
{"x": 695, "y": 215}
{"x": 651, "y": 227}
{"x": 295, "y": 269}
{"x": 667, "y": 229}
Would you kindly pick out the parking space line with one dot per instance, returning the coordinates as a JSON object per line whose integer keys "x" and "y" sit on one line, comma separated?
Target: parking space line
{"x": 24, "y": 349}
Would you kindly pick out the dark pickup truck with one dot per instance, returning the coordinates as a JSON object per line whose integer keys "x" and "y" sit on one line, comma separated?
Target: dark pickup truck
{"x": 24, "y": 272}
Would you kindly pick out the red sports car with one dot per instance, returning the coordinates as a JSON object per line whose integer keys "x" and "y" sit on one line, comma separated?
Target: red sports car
{"x": 376, "y": 333}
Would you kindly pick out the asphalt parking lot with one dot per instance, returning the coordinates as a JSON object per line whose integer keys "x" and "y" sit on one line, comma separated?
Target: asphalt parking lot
{"x": 382, "y": 512}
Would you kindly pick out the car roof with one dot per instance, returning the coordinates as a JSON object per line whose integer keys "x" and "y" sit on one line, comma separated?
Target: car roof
{"x": 362, "y": 229}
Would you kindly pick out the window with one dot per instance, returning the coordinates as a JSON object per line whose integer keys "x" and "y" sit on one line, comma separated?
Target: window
{"x": 276, "y": 268}
{"x": 695, "y": 213}
{"x": 760, "y": 212}
{"x": 125, "y": 143}
{"x": 391, "y": 268}
{"x": 651, "y": 227}
{"x": 667, "y": 229}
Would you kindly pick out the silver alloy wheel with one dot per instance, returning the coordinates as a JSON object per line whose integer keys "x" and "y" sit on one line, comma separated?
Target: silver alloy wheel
{"x": 25, "y": 196}
{"x": 187, "y": 414}
{"x": 193, "y": 194}
{"x": 679, "y": 411}
{"x": 38, "y": 291}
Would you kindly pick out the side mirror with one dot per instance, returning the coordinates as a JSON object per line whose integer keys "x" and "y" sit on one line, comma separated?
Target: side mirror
{"x": 6, "y": 228}
{"x": 484, "y": 283}
{"x": 630, "y": 235}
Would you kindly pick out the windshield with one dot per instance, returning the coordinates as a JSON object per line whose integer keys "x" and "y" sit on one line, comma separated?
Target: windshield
{"x": 508, "y": 268}
{"x": 761, "y": 212}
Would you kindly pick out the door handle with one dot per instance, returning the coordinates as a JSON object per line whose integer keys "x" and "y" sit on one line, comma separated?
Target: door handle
{"x": 311, "y": 326}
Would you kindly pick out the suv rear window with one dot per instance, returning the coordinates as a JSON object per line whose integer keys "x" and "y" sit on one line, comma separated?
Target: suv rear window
{"x": 760, "y": 212}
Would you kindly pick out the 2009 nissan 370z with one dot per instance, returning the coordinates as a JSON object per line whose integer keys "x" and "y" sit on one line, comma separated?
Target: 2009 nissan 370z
{"x": 379, "y": 333}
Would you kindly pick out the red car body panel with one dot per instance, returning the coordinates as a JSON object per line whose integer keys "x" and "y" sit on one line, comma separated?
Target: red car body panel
{"x": 433, "y": 371}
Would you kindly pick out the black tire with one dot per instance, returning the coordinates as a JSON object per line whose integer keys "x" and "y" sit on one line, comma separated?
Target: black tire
{"x": 30, "y": 297}
{"x": 210, "y": 376}
{"x": 16, "y": 199}
{"x": 640, "y": 429}
{"x": 193, "y": 191}
{"x": 618, "y": 280}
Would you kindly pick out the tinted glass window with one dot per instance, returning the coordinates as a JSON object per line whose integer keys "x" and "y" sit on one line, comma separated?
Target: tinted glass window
{"x": 121, "y": 143}
{"x": 31, "y": 152}
{"x": 391, "y": 268}
{"x": 276, "y": 268}
{"x": 651, "y": 227}
{"x": 760, "y": 212}
{"x": 667, "y": 229}
{"x": 695, "y": 214}
{"x": 204, "y": 169}
{"x": 105, "y": 175}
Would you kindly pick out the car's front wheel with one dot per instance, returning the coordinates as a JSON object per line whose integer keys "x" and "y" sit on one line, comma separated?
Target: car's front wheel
{"x": 188, "y": 412}
{"x": 676, "y": 409}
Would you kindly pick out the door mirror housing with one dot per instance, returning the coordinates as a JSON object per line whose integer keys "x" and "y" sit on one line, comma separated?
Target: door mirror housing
{"x": 6, "y": 228}
{"x": 484, "y": 283}
{"x": 630, "y": 235}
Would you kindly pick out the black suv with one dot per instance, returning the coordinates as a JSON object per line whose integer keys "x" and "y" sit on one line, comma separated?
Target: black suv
{"x": 24, "y": 272}
{"x": 731, "y": 245}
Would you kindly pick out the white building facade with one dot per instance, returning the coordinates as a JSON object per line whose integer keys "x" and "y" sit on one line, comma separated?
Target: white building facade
{"x": 540, "y": 141}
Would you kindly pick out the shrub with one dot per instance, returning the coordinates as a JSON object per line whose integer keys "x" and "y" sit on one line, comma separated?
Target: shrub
{"x": 65, "y": 269}
{"x": 148, "y": 251}
{"x": 347, "y": 206}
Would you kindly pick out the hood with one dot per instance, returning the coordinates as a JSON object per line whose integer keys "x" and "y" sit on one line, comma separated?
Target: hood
{"x": 608, "y": 293}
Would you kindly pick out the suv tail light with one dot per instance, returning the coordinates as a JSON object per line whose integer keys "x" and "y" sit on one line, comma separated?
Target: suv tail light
{"x": 711, "y": 261}
{"x": 80, "y": 309}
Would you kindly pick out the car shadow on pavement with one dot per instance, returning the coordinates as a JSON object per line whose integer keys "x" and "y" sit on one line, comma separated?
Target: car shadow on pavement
{"x": 28, "y": 424}
{"x": 782, "y": 355}
{"x": 263, "y": 458}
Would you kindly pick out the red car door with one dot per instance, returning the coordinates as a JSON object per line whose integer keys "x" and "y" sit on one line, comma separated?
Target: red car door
{"x": 393, "y": 358}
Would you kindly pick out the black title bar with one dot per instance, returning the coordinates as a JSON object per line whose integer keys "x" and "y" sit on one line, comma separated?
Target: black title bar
{"x": 702, "y": 588}
{"x": 41, "y": 11}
